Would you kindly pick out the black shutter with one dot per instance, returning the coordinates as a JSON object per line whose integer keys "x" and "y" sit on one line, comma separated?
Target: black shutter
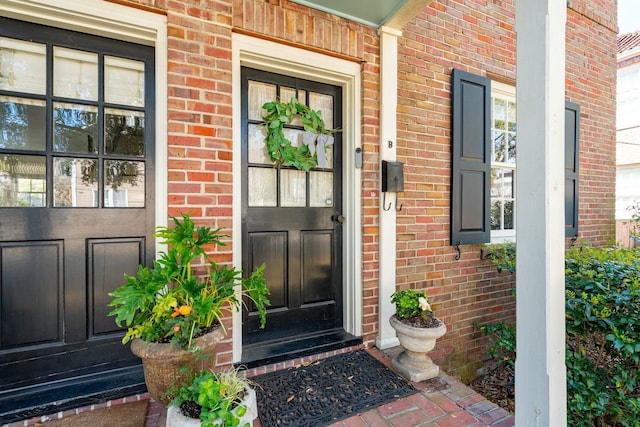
{"x": 471, "y": 163}
{"x": 571, "y": 154}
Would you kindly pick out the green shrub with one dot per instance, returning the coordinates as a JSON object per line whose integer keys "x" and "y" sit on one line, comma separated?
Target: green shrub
{"x": 602, "y": 289}
{"x": 603, "y": 336}
{"x": 502, "y": 341}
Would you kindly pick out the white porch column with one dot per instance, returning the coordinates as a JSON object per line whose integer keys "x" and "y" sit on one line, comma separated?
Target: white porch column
{"x": 540, "y": 365}
{"x": 387, "y": 241}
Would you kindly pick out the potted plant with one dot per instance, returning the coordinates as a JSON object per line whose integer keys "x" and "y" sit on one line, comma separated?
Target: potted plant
{"x": 174, "y": 313}
{"x": 213, "y": 399}
{"x": 417, "y": 329}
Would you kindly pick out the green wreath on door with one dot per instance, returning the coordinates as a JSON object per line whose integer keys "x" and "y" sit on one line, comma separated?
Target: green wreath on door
{"x": 315, "y": 139}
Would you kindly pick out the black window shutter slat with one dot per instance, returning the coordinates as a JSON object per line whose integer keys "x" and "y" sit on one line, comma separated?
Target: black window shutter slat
{"x": 571, "y": 155}
{"x": 471, "y": 162}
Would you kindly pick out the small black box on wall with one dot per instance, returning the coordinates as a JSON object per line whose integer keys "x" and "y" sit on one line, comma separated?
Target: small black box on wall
{"x": 392, "y": 176}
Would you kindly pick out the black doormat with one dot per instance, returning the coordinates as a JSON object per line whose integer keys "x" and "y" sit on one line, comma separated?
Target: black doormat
{"x": 327, "y": 391}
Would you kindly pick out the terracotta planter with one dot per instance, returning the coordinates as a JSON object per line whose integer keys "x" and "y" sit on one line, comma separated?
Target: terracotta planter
{"x": 176, "y": 419}
{"x": 162, "y": 362}
{"x": 414, "y": 363}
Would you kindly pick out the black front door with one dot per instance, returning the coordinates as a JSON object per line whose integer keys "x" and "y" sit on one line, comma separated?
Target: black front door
{"x": 76, "y": 202}
{"x": 290, "y": 217}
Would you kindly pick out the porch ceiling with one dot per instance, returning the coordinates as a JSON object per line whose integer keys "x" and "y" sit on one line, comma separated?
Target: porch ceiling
{"x": 375, "y": 13}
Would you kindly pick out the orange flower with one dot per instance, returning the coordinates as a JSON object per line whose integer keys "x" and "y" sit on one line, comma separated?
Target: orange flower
{"x": 176, "y": 329}
{"x": 183, "y": 310}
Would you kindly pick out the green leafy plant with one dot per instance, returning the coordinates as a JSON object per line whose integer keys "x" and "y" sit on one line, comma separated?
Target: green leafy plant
{"x": 411, "y": 303}
{"x": 281, "y": 151}
{"x": 602, "y": 288}
{"x": 502, "y": 341}
{"x": 214, "y": 398}
{"x": 170, "y": 302}
{"x": 603, "y": 336}
{"x": 635, "y": 221}
{"x": 502, "y": 255}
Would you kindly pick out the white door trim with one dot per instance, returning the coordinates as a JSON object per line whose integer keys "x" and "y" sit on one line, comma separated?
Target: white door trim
{"x": 277, "y": 58}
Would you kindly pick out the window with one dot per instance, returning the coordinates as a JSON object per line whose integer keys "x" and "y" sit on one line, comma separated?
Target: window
{"x": 72, "y": 120}
{"x": 483, "y": 135}
{"x": 503, "y": 162}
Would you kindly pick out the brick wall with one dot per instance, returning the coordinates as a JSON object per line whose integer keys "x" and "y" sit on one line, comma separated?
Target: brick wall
{"x": 478, "y": 37}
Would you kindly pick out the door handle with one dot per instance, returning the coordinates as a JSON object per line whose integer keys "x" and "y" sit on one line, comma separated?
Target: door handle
{"x": 337, "y": 217}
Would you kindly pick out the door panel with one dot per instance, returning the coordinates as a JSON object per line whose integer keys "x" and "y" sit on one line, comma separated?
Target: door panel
{"x": 287, "y": 215}
{"x": 76, "y": 200}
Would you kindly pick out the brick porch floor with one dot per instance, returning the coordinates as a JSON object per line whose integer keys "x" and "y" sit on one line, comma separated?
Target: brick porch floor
{"x": 443, "y": 403}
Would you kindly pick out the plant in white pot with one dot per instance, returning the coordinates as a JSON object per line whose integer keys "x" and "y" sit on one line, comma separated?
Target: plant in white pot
{"x": 174, "y": 311}
{"x": 213, "y": 399}
{"x": 417, "y": 330}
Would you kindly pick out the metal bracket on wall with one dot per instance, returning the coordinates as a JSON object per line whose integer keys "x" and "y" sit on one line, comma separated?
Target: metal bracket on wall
{"x": 384, "y": 203}
{"x": 458, "y": 252}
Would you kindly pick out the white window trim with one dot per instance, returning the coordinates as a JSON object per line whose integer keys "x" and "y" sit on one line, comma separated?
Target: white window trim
{"x": 119, "y": 22}
{"x": 504, "y": 91}
{"x": 289, "y": 60}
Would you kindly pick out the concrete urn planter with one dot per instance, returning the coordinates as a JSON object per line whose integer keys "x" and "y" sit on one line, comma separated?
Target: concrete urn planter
{"x": 413, "y": 362}
{"x": 161, "y": 363}
{"x": 176, "y": 419}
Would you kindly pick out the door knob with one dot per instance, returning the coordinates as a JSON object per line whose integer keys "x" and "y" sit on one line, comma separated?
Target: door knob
{"x": 337, "y": 217}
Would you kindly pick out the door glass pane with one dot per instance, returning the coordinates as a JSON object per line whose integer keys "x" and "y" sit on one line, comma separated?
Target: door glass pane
{"x": 262, "y": 187}
{"x": 323, "y": 103}
{"x": 23, "y": 66}
{"x": 257, "y": 146}
{"x": 124, "y": 132}
{"x": 123, "y": 81}
{"x": 22, "y": 123}
{"x": 75, "y": 74}
{"x": 321, "y": 189}
{"x": 74, "y": 182}
{"x": 286, "y": 93}
{"x": 293, "y": 185}
{"x": 293, "y": 135}
{"x": 75, "y": 128}
{"x": 124, "y": 184}
{"x": 22, "y": 181}
{"x": 259, "y": 93}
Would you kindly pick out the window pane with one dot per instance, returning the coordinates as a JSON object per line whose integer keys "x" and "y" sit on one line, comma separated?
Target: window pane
{"x": 257, "y": 147}
{"x": 23, "y": 66}
{"x": 75, "y": 128}
{"x": 498, "y": 146}
{"x": 512, "y": 116}
{"x": 75, "y": 182}
{"x": 75, "y": 74}
{"x": 508, "y": 215}
{"x": 262, "y": 187}
{"x": 293, "y": 188}
{"x": 124, "y": 183}
{"x": 321, "y": 189}
{"x": 259, "y": 93}
{"x": 22, "y": 124}
{"x": 124, "y": 132}
{"x": 123, "y": 81}
{"x": 496, "y": 214}
{"x": 499, "y": 114}
{"x": 511, "y": 153}
{"x": 22, "y": 181}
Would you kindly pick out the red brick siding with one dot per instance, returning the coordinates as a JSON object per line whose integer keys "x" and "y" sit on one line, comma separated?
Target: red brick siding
{"x": 480, "y": 38}
{"x": 475, "y": 36}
